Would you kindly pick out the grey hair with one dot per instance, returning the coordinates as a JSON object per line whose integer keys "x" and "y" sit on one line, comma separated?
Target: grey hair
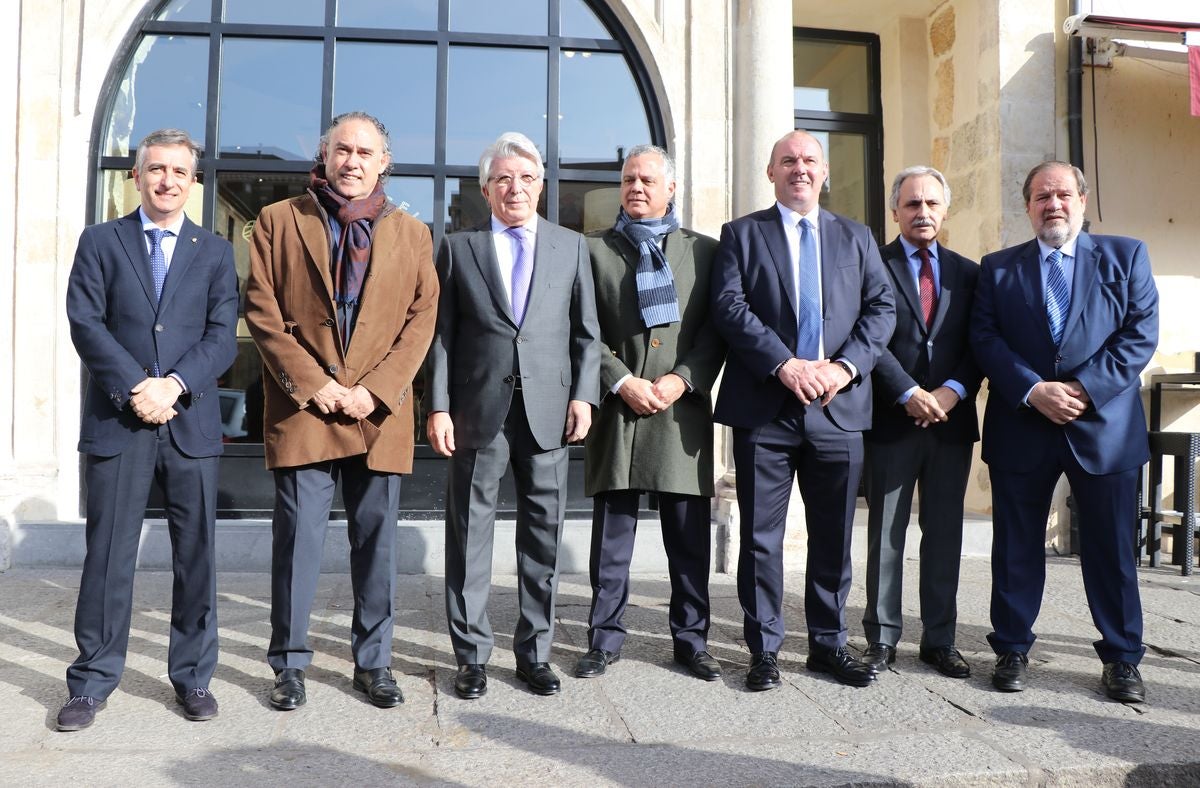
{"x": 1080, "y": 181}
{"x": 916, "y": 172}
{"x": 646, "y": 150}
{"x": 167, "y": 137}
{"x": 509, "y": 145}
{"x": 323, "y": 145}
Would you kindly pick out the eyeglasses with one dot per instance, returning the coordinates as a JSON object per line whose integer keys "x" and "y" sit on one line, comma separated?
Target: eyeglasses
{"x": 506, "y": 181}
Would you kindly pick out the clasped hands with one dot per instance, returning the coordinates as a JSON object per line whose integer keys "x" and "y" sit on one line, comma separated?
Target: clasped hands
{"x": 931, "y": 407}
{"x": 1060, "y": 401}
{"x": 153, "y": 400}
{"x": 355, "y": 402}
{"x": 813, "y": 380}
{"x": 646, "y": 397}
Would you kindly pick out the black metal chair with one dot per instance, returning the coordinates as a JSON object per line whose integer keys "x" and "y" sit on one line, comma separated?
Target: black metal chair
{"x": 1184, "y": 449}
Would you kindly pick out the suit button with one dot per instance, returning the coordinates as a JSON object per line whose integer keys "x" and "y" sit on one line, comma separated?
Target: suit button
{"x": 509, "y": 379}
{"x": 655, "y": 342}
{"x": 329, "y": 321}
{"x": 159, "y": 327}
{"x": 520, "y": 340}
{"x": 929, "y": 343}
{"x": 332, "y": 369}
{"x": 1058, "y": 359}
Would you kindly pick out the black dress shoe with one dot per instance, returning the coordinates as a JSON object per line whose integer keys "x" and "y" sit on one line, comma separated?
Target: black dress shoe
{"x": 764, "y": 671}
{"x": 198, "y": 704}
{"x": 78, "y": 713}
{"x": 947, "y": 660}
{"x": 539, "y": 677}
{"x": 1009, "y": 673}
{"x": 878, "y": 656}
{"x": 701, "y": 664}
{"x": 1123, "y": 682}
{"x": 595, "y": 662}
{"x": 842, "y": 666}
{"x": 288, "y": 692}
{"x": 380, "y": 687}
{"x": 471, "y": 681}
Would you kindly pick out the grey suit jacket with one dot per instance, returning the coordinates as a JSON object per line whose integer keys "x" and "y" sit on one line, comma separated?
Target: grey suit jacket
{"x": 479, "y": 351}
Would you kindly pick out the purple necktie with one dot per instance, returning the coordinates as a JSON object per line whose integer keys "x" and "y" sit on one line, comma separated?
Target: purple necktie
{"x": 522, "y": 272}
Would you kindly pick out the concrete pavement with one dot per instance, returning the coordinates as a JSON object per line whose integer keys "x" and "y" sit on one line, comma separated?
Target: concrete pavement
{"x": 645, "y": 723}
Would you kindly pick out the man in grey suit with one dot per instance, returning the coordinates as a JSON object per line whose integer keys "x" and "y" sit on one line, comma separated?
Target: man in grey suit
{"x": 654, "y": 431}
{"x": 152, "y": 302}
{"x": 512, "y": 377}
{"x": 925, "y": 423}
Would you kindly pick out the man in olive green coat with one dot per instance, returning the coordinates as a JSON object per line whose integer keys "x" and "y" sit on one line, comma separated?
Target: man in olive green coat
{"x": 654, "y": 432}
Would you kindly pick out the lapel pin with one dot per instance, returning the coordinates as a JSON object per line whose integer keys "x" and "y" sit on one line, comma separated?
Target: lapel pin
{"x": 194, "y": 239}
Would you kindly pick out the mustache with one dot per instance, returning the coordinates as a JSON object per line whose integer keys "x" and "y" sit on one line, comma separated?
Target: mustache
{"x": 923, "y": 223}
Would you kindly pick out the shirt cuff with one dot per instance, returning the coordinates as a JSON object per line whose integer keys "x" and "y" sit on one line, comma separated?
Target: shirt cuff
{"x": 1025, "y": 399}
{"x": 906, "y": 396}
{"x": 853, "y": 369}
{"x": 957, "y": 388}
{"x": 617, "y": 386}
{"x": 175, "y": 377}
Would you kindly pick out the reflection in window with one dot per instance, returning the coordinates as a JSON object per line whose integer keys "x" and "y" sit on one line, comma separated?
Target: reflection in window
{"x": 587, "y": 206}
{"x": 831, "y": 77}
{"x": 466, "y": 206}
{"x": 479, "y": 108}
{"x": 293, "y": 12}
{"x": 187, "y": 11}
{"x": 165, "y": 85}
{"x": 407, "y": 107}
{"x": 414, "y": 196}
{"x": 579, "y": 21}
{"x": 846, "y": 192}
{"x": 399, "y": 14}
{"x": 598, "y": 85}
{"x": 516, "y": 17}
{"x": 270, "y": 118}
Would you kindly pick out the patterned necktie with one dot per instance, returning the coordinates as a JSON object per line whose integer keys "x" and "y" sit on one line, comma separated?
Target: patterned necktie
{"x": 928, "y": 291}
{"x": 522, "y": 272}
{"x": 158, "y": 259}
{"x": 1058, "y": 299}
{"x": 808, "y": 317}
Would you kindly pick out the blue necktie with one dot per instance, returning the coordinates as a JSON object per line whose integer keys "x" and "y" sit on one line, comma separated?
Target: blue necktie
{"x": 808, "y": 317}
{"x": 1058, "y": 299}
{"x": 522, "y": 272}
{"x": 158, "y": 269}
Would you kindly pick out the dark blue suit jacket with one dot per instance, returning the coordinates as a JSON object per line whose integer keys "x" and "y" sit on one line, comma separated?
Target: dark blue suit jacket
{"x": 754, "y": 309}
{"x": 119, "y": 331}
{"x": 1110, "y": 334}
{"x": 927, "y": 356}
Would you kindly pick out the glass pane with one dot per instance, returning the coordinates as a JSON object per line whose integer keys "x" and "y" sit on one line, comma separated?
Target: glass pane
{"x": 400, "y": 14}
{"x": 478, "y": 111}
{"x": 165, "y": 85}
{"x": 414, "y": 196}
{"x": 407, "y": 107}
{"x": 602, "y": 113}
{"x": 187, "y": 11}
{"x": 832, "y": 77}
{"x": 465, "y": 206}
{"x": 576, "y": 20}
{"x": 119, "y": 197}
{"x": 276, "y": 12}
{"x": 270, "y": 118}
{"x": 847, "y": 190}
{"x": 518, "y": 17}
{"x": 587, "y": 206}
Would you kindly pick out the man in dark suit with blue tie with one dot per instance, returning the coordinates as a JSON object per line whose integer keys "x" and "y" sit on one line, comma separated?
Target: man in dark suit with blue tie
{"x": 152, "y": 303}
{"x": 924, "y": 427}
{"x": 801, "y": 298}
{"x": 1063, "y": 326}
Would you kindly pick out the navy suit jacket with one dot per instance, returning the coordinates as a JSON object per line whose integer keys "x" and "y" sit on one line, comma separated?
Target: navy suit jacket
{"x": 119, "y": 331}
{"x": 754, "y": 309}
{"x": 927, "y": 356}
{"x": 1110, "y": 334}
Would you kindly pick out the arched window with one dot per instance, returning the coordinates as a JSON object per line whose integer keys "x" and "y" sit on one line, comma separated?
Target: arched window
{"x": 256, "y": 81}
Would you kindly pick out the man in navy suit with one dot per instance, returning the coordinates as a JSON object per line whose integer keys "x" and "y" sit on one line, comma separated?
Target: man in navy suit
{"x": 1063, "y": 326}
{"x": 801, "y": 298}
{"x": 152, "y": 303}
{"x": 924, "y": 427}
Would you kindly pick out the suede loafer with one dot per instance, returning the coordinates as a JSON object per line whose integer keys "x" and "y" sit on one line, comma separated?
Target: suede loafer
{"x": 380, "y": 687}
{"x": 1123, "y": 682}
{"x": 78, "y": 713}
{"x": 288, "y": 692}
{"x": 764, "y": 671}
{"x": 595, "y": 662}
{"x": 471, "y": 681}
{"x": 198, "y": 704}
{"x": 1010, "y": 670}
{"x": 842, "y": 666}
{"x": 947, "y": 660}
{"x": 539, "y": 677}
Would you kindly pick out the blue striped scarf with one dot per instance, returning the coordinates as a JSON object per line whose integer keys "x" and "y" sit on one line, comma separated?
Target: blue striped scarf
{"x": 657, "y": 299}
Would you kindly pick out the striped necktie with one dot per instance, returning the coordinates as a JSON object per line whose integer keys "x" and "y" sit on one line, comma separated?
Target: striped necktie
{"x": 158, "y": 269}
{"x": 1058, "y": 298}
{"x": 808, "y": 307}
{"x": 928, "y": 291}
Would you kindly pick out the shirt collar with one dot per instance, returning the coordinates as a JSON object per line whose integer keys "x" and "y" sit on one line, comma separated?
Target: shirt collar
{"x": 499, "y": 226}
{"x": 794, "y": 217}
{"x": 1067, "y": 249}
{"x": 175, "y": 227}
{"x": 910, "y": 249}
